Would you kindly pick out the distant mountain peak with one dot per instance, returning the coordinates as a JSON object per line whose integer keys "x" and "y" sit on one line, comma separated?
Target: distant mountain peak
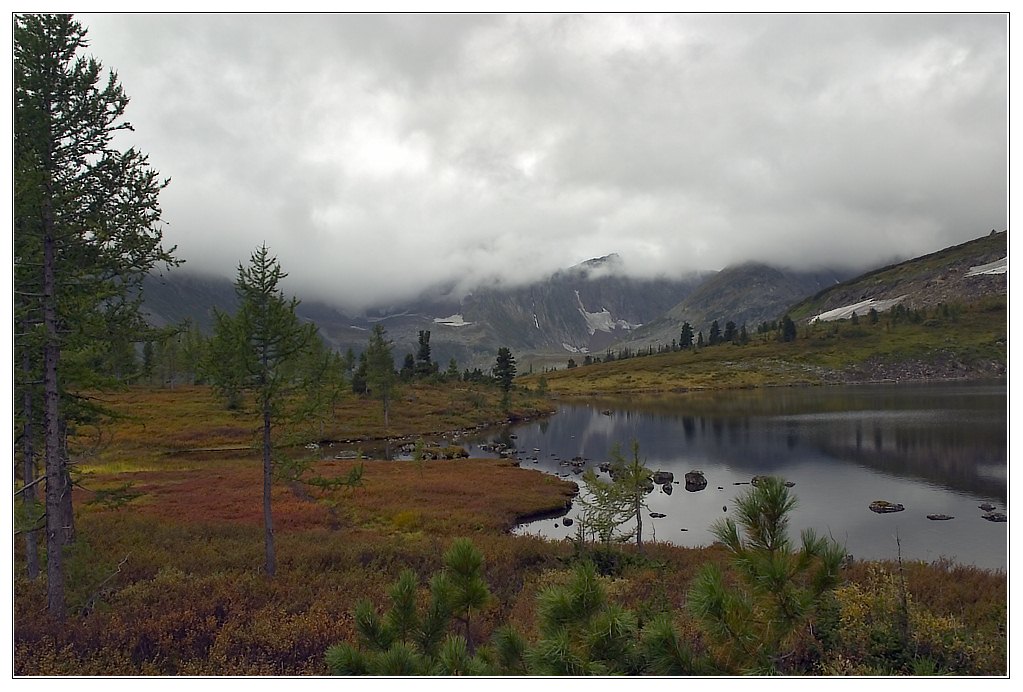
{"x": 608, "y": 265}
{"x": 614, "y": 259}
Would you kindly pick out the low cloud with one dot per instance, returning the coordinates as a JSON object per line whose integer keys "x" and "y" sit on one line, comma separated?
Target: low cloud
{"x": 382, "y": 155}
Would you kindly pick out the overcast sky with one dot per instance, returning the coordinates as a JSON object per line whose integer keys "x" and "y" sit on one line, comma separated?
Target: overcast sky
{"x": 381, "y": 155}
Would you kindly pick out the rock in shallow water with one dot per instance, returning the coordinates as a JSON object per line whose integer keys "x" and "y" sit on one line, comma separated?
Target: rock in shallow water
{"x": 885, "y": 507}
{"x": 695, "y": 481}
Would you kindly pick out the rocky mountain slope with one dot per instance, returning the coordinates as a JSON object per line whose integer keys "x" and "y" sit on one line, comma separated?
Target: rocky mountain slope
{"x": 960, "y": 274}
{"x": 748, "y": 294}
{"x": 581, "y": 309}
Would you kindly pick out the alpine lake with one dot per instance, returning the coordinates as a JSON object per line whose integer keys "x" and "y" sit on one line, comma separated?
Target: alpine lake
{"x": 940, "y": 450}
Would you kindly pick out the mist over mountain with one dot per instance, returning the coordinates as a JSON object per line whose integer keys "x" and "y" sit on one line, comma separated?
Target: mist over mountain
{"x": 581, "y": 309}
{"x": 596, "y": 304}
{"x": 379, "y": 156}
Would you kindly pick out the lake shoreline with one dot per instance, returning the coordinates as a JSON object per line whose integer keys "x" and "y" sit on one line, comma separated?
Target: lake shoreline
{"x": 936, "y": 447}
{"x": 604, "y": 394}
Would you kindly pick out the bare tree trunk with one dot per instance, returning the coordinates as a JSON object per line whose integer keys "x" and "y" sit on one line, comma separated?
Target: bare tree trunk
{"x": 268, "y": 520}
{"x": 66, "y": 506}
{"x": 639, "y": 519}
{"x": 51, "y": 427}
{"x": 28, "y": 471}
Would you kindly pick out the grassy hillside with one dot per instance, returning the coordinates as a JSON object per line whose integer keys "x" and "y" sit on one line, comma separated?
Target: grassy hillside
{"x": 940, "y": 277}
{"x": 959, "y": 342}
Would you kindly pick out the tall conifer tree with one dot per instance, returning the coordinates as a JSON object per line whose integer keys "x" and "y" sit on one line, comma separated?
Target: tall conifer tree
{"x": 87, "y": 230}
{"x": 263, "y": 343}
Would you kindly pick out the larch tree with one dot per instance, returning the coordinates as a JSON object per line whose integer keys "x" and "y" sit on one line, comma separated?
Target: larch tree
{"x": 87, "y": 229}
{"x": 608, "y": 506}
{"x": 261, "y": 345}
{"x": 380, "y": 376}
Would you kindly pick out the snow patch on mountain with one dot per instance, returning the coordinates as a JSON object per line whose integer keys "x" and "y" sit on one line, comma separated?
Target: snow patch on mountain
{"x": 601, "y": 321}
{"x": 997, "y": 267}
{"x": 861, "y": 308}
{"x": 455, "y": 320}
{"x": 572, "y": 349}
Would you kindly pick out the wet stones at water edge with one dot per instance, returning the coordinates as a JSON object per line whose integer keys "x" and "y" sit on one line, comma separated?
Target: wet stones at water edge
{"x": 885, "y": 507}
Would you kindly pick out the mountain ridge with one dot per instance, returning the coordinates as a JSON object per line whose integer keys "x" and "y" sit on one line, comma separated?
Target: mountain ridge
{"x": 595, "y": 305}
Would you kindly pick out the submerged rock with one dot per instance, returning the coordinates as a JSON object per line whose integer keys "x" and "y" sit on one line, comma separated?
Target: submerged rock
{"x": 885, "y": 507}
{"x": 939, "y": 517}
{"x": 995, "y": 516}
{"x": 987, "y": 507}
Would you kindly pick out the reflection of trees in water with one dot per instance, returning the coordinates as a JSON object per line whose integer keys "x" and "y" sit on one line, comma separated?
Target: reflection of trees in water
{"x": 960, "y": 431}
{"x": 942, "y": 449}
{"x": 689, "y": 427}
{"x": 946, "y": 455}
{"x": 782, "y": 401}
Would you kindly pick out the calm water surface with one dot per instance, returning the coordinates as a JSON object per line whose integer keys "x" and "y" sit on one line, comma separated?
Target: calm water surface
{"x": 937, "y": 449}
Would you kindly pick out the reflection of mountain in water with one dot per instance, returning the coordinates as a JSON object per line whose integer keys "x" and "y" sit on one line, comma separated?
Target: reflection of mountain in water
{"x": 946, "y": 435}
